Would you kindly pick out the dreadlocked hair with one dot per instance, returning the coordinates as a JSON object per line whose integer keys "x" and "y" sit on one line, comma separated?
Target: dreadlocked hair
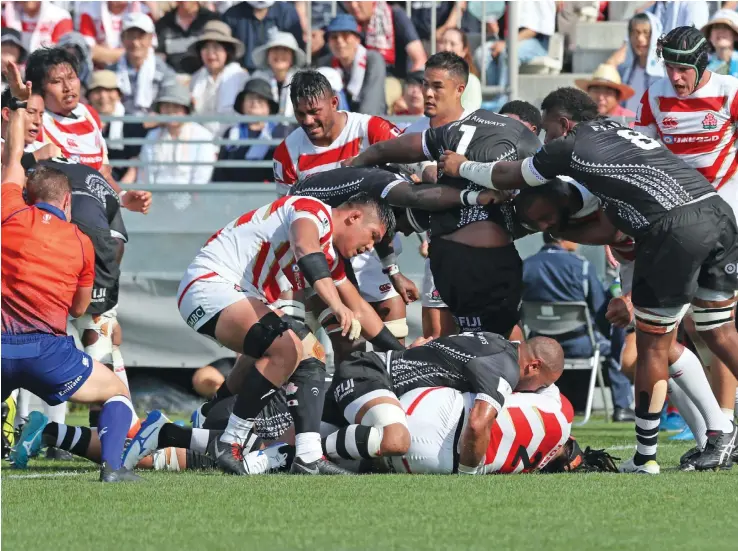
{"x": 309, "y": 84}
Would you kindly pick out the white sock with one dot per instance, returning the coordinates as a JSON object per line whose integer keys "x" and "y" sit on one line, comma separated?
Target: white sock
{"x": 728, "y": 413}
{"x": 692, "y": 416}
{"x": 237, "y": 430}
{"x": 199, "y": 440}
{"x": 308, "y": 447}
{"x": 690, "y": 377}
{"x": 119, "y": 366}
{"x": 22, "y": 407}
{"x": 56, "y": 414}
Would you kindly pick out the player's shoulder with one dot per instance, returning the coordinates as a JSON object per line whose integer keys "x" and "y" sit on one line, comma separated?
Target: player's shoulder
{"x": 420, "y": 125}
{"x": 83, "y": 110}
{"x": 295, "y": 140}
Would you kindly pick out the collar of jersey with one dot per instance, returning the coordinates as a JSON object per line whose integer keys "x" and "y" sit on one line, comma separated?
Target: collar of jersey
{"x": 56, "y": 211}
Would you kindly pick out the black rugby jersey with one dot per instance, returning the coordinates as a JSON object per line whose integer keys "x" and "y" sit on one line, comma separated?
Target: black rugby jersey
{"x": 483, "y": 136}
{"x": 637, "y": 179}
{"x": 335, "y": 187}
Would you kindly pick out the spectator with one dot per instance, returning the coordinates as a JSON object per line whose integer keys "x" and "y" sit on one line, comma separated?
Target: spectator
{"x": 277, "y": 61}
{"x": 255, "y": 99}
{"x": 388, "y": 30}
{"x": 640, "y": 66}
{"x": 455, "y": 41}
{"x": 41, "y": 24}
{"x": 493, "y": 12}
{"x": 336, "y": 81}
{"x": 215, "y": 86}
{"x": 76, "y": 44}
{"x": 104, "y": 96}
{"x": 680, "y": 13}
{"x": 363, "y": 71}
{"x": 558, "y": 274}
{"x": 184, "y": 163}
{"x": 722, "y": 32}
{"x": 140, "y": 72}
{"x": 321, "y": 14}
{"x": 447, "y": 17}
{"x": 250, "y": 22}
{"x": 101, "y": 23}
{"x": 607, "y": 91}
{"x": 412, "y": 101}
{"x": 12, "y": 50}
{"x": 537, "y": 22}
{"x": 177, "y": 30}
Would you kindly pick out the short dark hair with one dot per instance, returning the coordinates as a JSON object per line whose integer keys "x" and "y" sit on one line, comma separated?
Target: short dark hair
{"x": 573, "y": 102}
{"x": 448, "y": 61}
{"x": 47, "y": 184}
{"x": 525, "y": 111}
{"x": 6, "y": 97}
{"x": 309, "y": 84}
{"x": 43, "y": 60}
{"x": 384, "y": 211}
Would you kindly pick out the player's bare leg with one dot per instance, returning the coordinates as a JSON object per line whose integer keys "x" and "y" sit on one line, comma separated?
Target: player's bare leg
{"x": 393, "y": 313}
{"x": 438, "y": 322}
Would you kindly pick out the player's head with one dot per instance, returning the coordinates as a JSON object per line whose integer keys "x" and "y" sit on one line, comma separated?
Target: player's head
{"x": 34, "y": 114}
{"x": 550, "y": 239}
{"x": 49, "y": 185}
{"x": 444, "y": 82}
{"x": 54, "y": 73}
{"x": 315, "y": 104}
{"x": 685, "y": 52}
{"x": 549, "y": 207}
{"x": 525, "y": 112}
{"x": 541, "y": 362}
{"x": 360, "y": 223}
{"x": 563, "y": 109}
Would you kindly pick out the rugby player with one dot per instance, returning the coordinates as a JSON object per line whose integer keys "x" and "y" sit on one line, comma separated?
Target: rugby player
{"x": 242, "y": 269}
{"x": 682, "y": 227}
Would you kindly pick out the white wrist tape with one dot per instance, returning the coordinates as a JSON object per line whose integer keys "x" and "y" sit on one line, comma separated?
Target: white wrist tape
{"x": 531, "y": 176}
{"x": 479, "y": 173}
{"x": 392, "y": 269}
{"x": 388, "y": 260}
{"x": 463, "y": 469}
{"x": 470, "y": 198}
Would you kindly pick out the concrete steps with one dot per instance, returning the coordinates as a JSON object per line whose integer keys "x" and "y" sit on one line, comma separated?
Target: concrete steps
{"x": 534, "y": 88}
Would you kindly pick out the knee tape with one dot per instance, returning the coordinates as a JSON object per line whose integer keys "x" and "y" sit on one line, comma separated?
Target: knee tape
{"x": 311, "y": 347}
{"x": 706, "y": 319}
{"x": 659, "y": 321}
{"x": 382, "y": 415}
{"x": 166, "y": 460}
{"x": 398, "y": 327}
{"x": 101, "y": 350}
{"x": 292, "y": 308}
{"x": 262, "y": 334}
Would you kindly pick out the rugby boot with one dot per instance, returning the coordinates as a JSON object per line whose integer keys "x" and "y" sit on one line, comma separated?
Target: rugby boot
{"x": 228, "y": 456}
{"x": 717, "y": 453}
{"x": 107, "y": 474}
{"x": 321, "y": 466}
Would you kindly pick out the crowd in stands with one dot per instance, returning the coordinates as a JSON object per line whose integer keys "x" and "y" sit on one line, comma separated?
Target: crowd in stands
{"x": 227, "y": 58}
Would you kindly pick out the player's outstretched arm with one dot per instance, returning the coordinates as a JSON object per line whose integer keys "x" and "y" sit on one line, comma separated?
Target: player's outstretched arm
{"x": 13, "y": 171}
{"x": 476, "y": 437}
{"x": 407, "y": 148}
{"x": 434, "y": 197}
{"x": 500, "y": 175}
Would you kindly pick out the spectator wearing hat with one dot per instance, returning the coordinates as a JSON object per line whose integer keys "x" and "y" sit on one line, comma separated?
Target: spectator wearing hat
{"x": 363, "y": 71}
{"x": 140, "y": 72}
{"x": 412, "y": 101}
{"x": 214, "y": 87}
{"x": 722, "y": 32}
{"x": 255, "y": 99}
{"x": 177, "y": 30}
{"x": 277, "y": 61}
{"x": 40, "y": 24}
{"x": 104, "y": 95}
{"x": 12, "y": 50}
{"x": 184, "y": 162}
{"x": 251, "y": 21}
{"x": 608, "y": 91}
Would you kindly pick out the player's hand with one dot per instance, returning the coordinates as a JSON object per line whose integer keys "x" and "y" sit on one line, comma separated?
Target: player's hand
{"x": 611, "y": 260}
{"x": 430, "y": 174}
{"x": 350, "y": 162}
{"x": 420, "y": 341}
{"x": 620, "y": 311}
{"x": 136, "y": 200}
{"x": 15, "y": 82}
{"x": 450, "y": 163}
{"x": 346, "y": 320}
{"x": 423, "y": 249}
{"x": 49, "y": 151}
{"x": 405, "y": 288}
{"x": 494, "y": 197}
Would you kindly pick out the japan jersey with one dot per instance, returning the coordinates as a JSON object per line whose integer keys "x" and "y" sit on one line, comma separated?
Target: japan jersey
{"x": 296, "y": 157}
{"x": 40, "y": 31}
{"x": 79, "y": 135}
{"x": 255, "y": 253}
{"x": 699, "y": 129}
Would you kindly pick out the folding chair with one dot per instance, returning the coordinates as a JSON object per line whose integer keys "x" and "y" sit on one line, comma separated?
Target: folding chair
{"x": 552, "y": 319}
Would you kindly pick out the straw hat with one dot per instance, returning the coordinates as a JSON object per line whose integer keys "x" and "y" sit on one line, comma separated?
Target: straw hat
{"x": 726, "y": 17}
{"x": 218, "y": 31}
{"x": 278, "y": 38}
{"x": 102, "y": 79}
{"x": 607, "y": 75}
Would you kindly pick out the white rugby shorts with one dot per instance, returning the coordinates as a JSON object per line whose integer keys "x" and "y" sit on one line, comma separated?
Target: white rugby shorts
{"x": 103, "y": 324}
{"x": 431, "y": 298}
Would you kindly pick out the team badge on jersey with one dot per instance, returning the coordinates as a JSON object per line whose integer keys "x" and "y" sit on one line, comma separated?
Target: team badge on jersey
{"x": 709, "y": 122}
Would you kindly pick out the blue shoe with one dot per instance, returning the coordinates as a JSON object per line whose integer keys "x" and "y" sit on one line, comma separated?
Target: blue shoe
{"x": 146, "y": 440}
{"x": 673, "y": 423}
{"x": 180, "y": 423}
{"x": 197, "y": 418}
{"x": 686, "y": 434}
{"x": 29, "y": 443}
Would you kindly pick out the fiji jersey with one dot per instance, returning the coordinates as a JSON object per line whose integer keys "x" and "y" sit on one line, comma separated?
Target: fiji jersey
{"x": 296, "y": 157}
{"x": 254, "y": 251}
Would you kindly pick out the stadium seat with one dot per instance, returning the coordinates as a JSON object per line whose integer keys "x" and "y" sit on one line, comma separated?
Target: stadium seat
{"x": 553, "y": 319}
{"x": 550, "y": 64}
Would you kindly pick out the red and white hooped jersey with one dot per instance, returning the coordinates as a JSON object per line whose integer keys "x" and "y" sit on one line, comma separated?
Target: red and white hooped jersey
{"x": 296, "y": 157}
{"x": 700, "y": 129}
{"x": 91, "y": 19}
{"x": 43, "y": 30}
{"x": 79, "y": 135}
{"x": 529, "y": 431}
{"x": 254, "y": 251}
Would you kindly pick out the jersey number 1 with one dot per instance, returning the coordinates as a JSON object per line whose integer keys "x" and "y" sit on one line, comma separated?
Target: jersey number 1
{"x": 638, "y": 139}
{"x": 467, "y": 133}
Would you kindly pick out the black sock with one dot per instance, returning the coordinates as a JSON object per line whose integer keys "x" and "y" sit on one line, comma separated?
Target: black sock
{"x": 305, "y": 394}
{"x": 73, "y": 439}
{"x": 221, "y": 394}
{"x": 174, "y": 436}
{"x": 94, "y": 416}
{"x": 259, "y": 391}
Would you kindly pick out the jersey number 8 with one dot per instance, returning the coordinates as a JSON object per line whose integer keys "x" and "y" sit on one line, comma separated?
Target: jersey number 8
{"x": 636, "y": 138}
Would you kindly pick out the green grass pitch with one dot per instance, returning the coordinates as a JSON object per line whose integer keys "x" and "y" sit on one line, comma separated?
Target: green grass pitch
{"x": 62, "y": 506}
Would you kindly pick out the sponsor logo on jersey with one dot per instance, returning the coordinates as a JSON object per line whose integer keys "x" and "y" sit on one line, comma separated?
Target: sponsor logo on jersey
{"x": 709, "y": 122}
{"x": 71, "y": 385}
{"x": 343, "y": 390}
{"x": 195, "y": 316}
{"x": 469, "y": 323}
{"x": 731, "y": 269}
{"x": 670, "y": 139}
{"x": 670, "y": 122}
{"x": 71, "y": 143}
{"x": 385, "y": 287}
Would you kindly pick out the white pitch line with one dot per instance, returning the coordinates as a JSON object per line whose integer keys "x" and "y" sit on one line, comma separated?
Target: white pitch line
{"x": 632, "y": 446}
{"x": 46, "y": 475}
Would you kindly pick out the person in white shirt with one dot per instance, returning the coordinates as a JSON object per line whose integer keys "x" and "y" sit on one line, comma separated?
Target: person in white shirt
{"x": 214, "y": 87}
{"x": 168, "y": 158}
